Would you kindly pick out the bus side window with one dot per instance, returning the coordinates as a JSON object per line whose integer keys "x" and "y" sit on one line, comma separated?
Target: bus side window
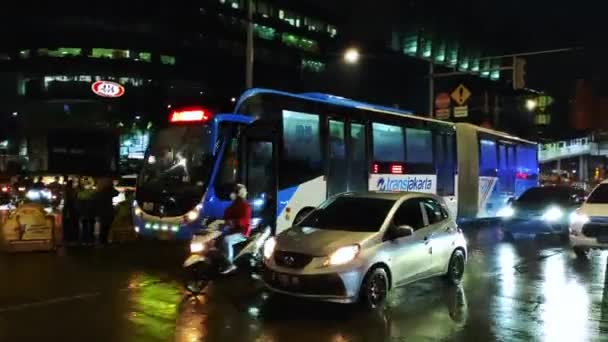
{"x": 419, "y": 146}
{"x": 445, "y": 163}
{"x": 336, "y": 180}
{"x": 388, "y": 143}
{"x": 358, "y": 167}
{"x": 301, "y": 159}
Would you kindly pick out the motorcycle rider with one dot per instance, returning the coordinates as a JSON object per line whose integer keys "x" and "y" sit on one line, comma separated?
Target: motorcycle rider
{"x": 237, "y": 218}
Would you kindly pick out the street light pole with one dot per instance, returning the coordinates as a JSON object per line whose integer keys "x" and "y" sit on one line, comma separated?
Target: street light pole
{"x": 431, "y": 89}
{"x": 249, "y": 55}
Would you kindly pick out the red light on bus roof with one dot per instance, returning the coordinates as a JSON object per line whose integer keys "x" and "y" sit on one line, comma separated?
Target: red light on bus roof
{"x": 190, "y": 115}
{"x": 397, "y": 169}
{"x": 375, "y": 168}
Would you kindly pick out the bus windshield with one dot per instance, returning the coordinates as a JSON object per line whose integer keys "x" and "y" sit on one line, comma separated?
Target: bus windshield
{"x": 178, "y": 164}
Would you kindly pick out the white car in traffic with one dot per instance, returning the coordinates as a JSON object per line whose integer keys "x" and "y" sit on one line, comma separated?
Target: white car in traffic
{"x": 589, "y": 224}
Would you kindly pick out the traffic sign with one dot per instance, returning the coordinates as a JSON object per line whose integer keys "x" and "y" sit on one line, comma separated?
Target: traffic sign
{"x": 461, "y": 111}
{"x": 442, "y": 113}
{"x": 461, "y": 94}
{"x": 442, "y": 100}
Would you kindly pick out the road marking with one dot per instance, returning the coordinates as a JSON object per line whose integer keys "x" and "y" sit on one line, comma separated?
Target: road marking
{"x": 48, "y": 302}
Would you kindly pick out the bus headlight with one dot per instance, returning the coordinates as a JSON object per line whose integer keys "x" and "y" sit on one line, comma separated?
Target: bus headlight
{"x": 196, "y": 247}
{"x": 506, "y": 212}
{"x": 578, "y": 218}
{"x": 192, "y": 215}
{"x": 552, "y": 214}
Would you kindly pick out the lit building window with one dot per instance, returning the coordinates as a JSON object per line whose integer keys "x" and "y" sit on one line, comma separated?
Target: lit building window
{"x": 60, "y": 52}
{"x": 265, "y": 32}
{"x": 312, "y": 65}
{"x": 24, "y": 54}
{"x": 299, "y": 42}
{"x": 145, "y": 56}
{"x": 169, "y": 60}
{"x": 332, "y": 30}
{"x": 110, "y": 53}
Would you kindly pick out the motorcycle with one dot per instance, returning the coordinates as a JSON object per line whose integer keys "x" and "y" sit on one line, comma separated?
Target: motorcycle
{"x": 207, "y": 259}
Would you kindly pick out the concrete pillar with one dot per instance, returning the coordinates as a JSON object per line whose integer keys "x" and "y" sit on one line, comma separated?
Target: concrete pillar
{"x": 582, "y": 168}
{"x": 558, "y": 167}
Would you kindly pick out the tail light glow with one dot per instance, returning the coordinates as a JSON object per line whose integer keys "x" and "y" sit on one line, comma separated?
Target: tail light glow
{"x": 190, "y": 115}
{"x": 375, "y": 168}
{"x": 397, "y": 169}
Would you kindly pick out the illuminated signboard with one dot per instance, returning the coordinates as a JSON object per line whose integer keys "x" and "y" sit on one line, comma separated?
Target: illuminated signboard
{"x": 108, "y": 89}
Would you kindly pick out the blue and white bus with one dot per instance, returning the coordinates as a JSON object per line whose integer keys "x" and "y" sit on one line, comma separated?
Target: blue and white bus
{"x": 292, "y": 151}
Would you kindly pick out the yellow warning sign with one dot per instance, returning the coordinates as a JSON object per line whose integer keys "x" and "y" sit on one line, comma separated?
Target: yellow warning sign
{"x": 461, "y": 94}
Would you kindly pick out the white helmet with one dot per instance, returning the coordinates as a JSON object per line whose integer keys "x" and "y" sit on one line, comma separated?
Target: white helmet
{"x": 239, "y": 191}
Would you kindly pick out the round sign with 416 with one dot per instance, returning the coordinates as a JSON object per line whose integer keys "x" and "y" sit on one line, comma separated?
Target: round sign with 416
{"x": 108, "y": 89}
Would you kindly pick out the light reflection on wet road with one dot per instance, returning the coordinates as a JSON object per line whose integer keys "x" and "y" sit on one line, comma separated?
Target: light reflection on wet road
{"x": 523, "y": 291}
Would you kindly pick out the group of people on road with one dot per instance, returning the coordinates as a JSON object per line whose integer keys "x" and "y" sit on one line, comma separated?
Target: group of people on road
{"x": 86, "y": 202}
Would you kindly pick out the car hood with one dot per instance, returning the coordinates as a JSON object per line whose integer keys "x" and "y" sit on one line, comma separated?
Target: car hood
{"x": 595, "y": 209}
{"x": 319, "y": 242}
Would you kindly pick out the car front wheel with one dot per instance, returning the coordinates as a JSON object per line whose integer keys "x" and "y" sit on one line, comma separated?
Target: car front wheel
{"x": 456, "y": 267}
{"x": 374, "y": 289}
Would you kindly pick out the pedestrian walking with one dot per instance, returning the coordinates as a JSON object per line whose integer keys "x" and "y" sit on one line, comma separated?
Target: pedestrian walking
{"x": 87, "y": 214}
{"x": 70, "y": 213}
{"x": 104, "y": 208}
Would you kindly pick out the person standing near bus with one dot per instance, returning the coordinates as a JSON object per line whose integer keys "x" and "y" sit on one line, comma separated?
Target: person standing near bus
{"x": 105, "y": 208}
{"x": 70, "y": 216}
{"x": 86, "y": 210}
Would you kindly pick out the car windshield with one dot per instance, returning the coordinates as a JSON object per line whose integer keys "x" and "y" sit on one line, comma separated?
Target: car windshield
{"x": 178, "y": 156}
{"x": 543, "y": 195}
{"x": 599, "y": 195}
{"x": 350, "y": 214}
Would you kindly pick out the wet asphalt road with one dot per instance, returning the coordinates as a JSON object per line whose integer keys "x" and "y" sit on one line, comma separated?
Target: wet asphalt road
{"x": 522, "y": 291}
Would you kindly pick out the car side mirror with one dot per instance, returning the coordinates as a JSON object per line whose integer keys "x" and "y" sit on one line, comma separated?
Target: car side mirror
{"x": 401, "y": 231}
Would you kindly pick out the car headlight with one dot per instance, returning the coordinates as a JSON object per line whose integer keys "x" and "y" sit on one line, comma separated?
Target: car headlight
{"x": 196, "y": 247}
{"x": 553, "y": 214}
{"x": 343, "y": 255}
{"x": 192, "y": 215}
{"x": 506, "y": 212}
{"x": 269, "y": 247}
{"x": 138, "y": 211}
{"x": 578, "y": 218}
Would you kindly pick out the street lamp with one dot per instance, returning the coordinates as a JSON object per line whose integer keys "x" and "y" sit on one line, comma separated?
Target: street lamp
{"x": 351, "y": 56}
{"x": 531, "y": 104}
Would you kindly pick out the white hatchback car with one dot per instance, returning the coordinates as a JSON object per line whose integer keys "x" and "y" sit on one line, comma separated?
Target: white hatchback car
{"x": 357, "y": 246}
{"x": 589, "y": 224}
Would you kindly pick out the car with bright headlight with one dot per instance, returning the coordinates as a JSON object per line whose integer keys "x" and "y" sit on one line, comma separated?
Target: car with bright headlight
{"x": 589, "y": 224}
{"x": 541, "y": 211}
{"x": 356, "y": 247}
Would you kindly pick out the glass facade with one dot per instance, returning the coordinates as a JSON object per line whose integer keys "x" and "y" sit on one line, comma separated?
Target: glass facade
{"x": 267, "y": 10}
{"x": 312, "y": 65}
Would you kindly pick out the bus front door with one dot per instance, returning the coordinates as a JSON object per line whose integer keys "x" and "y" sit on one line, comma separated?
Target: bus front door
{"x": 260, "y": 175}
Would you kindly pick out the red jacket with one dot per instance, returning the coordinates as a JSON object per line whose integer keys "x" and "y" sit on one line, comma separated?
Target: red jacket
{"x": 238, "y": 214}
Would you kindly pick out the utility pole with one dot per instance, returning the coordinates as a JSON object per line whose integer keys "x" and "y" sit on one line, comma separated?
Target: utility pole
{"x": 249, "y": 57}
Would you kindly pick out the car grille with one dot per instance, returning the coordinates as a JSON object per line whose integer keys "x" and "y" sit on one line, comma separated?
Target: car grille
{"x": 595, "y": 229}
{"x": 291, "y": 259}
{"x": 321, "y": 285}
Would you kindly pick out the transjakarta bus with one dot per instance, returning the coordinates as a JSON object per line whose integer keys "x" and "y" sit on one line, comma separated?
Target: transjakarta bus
{"x": 293, "y": 151}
